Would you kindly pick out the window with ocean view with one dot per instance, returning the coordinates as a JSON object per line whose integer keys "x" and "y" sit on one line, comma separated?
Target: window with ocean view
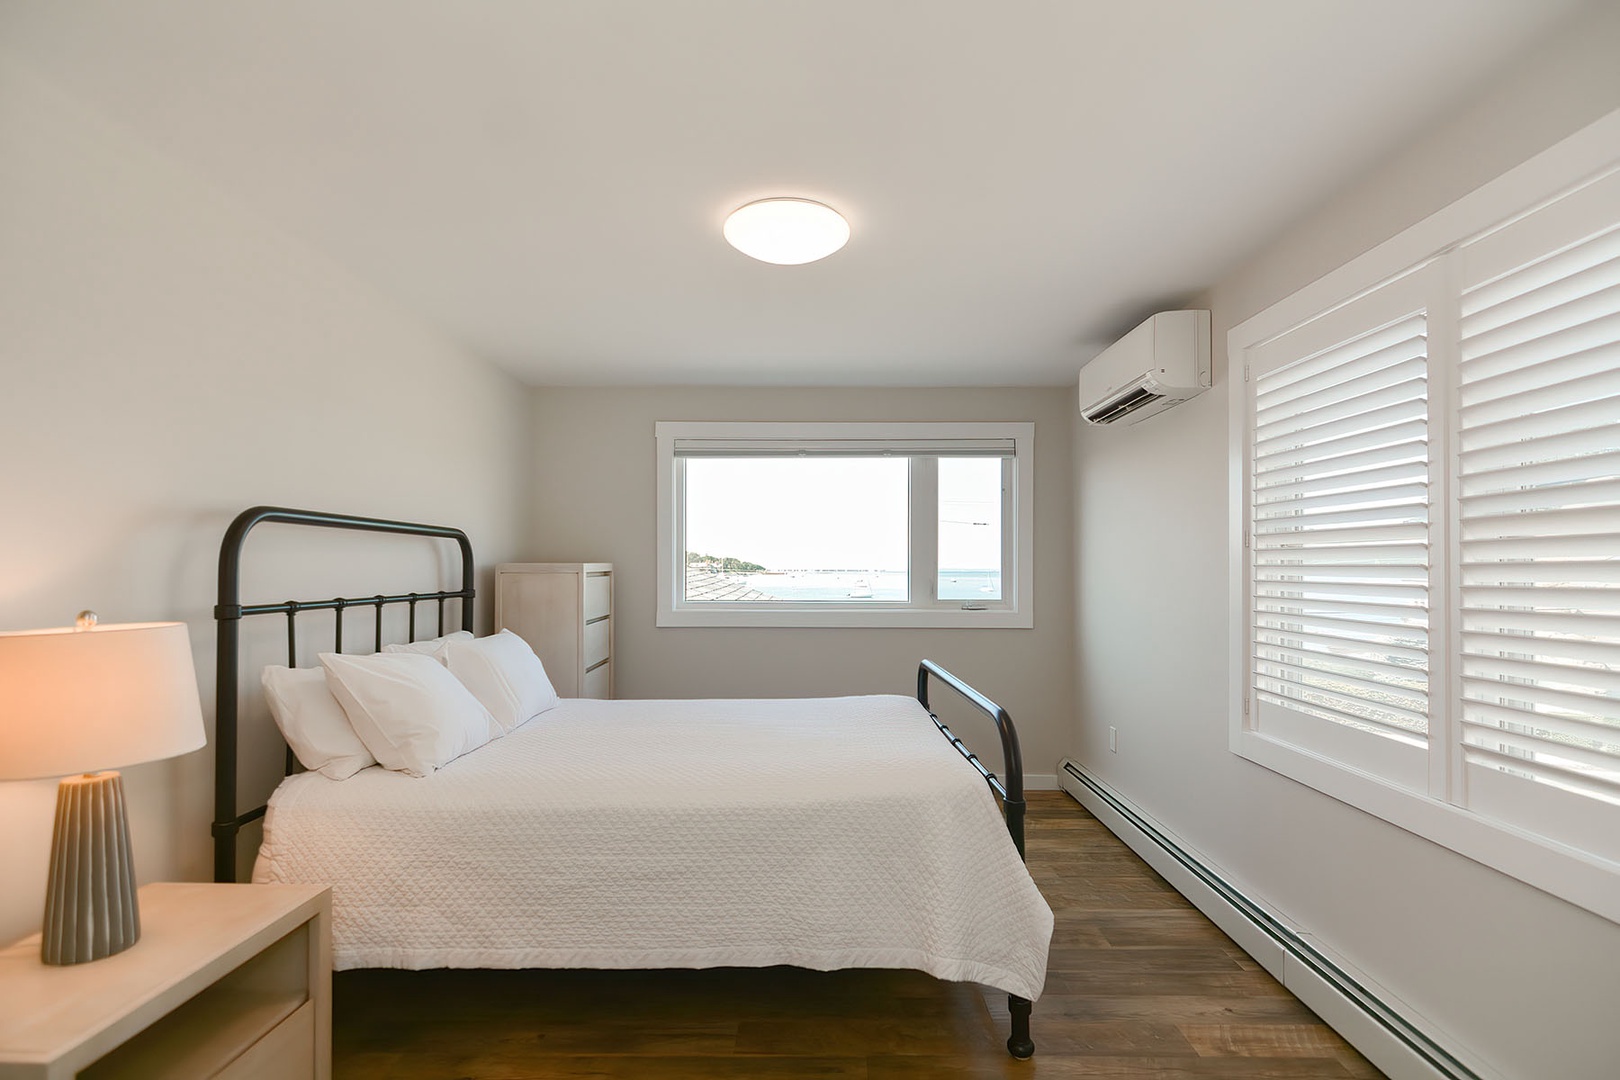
{"x": 804, "y": 529}
{"x": 844, "y": 524}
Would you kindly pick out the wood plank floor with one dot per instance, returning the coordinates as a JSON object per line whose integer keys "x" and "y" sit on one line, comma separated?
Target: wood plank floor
{"x": 1140, "y": 985}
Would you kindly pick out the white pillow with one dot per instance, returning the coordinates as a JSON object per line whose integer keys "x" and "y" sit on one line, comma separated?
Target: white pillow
{"x": 431, "y": 647}
{"x": 504, "y": 674}
{"x": 313, "y": 723}
{"x": 408, "y": 710}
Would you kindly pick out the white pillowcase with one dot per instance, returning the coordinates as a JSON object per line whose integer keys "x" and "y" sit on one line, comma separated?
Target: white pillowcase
{"x": 504, "y": 674}
{"x": 410, "y": 712}
{"x": 313, "y": 723}
{"x": 431, "y": 647}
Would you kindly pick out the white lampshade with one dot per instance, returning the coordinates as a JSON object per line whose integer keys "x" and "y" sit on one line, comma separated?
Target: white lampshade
{"x": 79, "y": 701}
{"x": 786, "y": 231}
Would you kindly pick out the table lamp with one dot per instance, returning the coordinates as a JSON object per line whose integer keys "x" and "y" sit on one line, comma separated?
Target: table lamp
{"x": 80, "y": 699}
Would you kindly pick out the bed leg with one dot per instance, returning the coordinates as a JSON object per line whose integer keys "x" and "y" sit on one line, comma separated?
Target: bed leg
{"x": 1019, "y": 1044}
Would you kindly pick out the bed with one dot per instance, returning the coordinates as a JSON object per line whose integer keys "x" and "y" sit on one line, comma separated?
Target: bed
{"x": 825, "y": 833}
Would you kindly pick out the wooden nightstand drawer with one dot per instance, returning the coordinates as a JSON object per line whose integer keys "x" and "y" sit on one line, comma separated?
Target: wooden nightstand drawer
{"x": 283, "y": 1054}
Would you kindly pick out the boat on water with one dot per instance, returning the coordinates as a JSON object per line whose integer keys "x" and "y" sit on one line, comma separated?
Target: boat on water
{"x": 861, "y": 589}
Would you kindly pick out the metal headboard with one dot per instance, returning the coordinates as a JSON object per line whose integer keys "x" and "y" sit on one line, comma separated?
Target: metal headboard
{"x": 230, "y": 612}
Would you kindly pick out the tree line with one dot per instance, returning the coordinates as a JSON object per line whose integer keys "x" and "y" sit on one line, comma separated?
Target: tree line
{"x": 727, "y": 563}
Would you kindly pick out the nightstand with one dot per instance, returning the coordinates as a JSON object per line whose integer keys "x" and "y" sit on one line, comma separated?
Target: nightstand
{"x": 226, "y": 980}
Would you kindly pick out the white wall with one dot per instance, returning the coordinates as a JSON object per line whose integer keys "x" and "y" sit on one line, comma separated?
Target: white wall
{"x": 166, "y": 361}
{"x": 594, "y": 500}
{"x": 1522, "y": 983}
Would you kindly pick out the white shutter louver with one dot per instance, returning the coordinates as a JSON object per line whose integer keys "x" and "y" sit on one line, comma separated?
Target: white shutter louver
{"x": 1339, "y": 530}
{"x": 1539, "y": 517}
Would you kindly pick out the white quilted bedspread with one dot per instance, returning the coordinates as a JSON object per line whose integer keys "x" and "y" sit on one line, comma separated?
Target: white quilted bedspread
{"x": 825, "y": 833}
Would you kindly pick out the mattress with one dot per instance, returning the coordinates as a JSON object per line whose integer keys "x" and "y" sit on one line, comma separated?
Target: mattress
{"x": 824, "y": 833}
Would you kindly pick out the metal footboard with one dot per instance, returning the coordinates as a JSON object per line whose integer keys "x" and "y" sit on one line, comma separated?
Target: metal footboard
{"x": 1009, "y": 787}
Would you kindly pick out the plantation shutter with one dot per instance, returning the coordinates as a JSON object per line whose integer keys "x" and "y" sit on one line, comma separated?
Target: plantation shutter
{"x": 1426, "y": 452}
{"x": 1339, "y": 537}
{"x": 1539, "y": 520}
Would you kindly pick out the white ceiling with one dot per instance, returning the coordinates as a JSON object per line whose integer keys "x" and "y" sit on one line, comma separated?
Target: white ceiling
{"x": 545, "y": 181}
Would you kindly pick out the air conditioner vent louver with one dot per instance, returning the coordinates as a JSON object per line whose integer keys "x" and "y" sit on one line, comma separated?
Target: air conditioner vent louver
{"x": 1108, "y": 412}
{"x": 1160, "y": 363}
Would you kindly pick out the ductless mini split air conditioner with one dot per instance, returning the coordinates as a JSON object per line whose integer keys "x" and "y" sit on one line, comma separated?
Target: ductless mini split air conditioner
{"x": 1161, "y": 363}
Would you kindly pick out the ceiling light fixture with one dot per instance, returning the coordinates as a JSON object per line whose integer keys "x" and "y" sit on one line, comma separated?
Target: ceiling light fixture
{"x": 786, "y": 231}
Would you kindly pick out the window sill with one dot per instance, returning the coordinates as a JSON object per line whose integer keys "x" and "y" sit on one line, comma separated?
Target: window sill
{"x": 1584, "y": 880}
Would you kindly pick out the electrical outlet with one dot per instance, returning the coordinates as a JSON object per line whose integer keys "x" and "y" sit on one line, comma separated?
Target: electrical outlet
{"x": 1113, "y": 740}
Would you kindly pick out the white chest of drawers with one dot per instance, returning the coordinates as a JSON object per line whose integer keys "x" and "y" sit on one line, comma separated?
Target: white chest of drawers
{"x": 565, "y": 612}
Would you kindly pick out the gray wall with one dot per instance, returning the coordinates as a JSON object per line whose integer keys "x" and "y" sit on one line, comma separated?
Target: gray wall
{"x": 166, "y": 361}
{"x": 1522, "y": 982}
{"x": 594, "y": 500}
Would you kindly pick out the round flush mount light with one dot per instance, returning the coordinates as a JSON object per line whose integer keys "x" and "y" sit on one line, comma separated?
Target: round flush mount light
{"x": 786, "y": 231}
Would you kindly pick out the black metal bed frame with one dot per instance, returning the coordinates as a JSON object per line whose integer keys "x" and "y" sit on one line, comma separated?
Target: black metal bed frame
{"x": 1011, "y": 791}
{"x": 230, "y": 611}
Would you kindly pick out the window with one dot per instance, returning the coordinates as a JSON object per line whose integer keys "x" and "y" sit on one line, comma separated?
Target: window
{"x": 1427, "y": 570}
{"x": 793, "y": 524}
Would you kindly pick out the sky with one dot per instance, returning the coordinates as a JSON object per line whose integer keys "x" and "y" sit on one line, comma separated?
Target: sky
{"x": 801, "y": 513}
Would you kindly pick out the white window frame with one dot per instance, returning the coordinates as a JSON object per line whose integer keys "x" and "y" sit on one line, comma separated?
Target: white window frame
{"x": 1580, "y": 877}
{"x": 1015, "y": 610}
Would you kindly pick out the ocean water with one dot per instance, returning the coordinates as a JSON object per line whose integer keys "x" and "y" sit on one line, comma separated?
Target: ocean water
{"x": 884, "y": 585}
{"x": 970, "y": 584}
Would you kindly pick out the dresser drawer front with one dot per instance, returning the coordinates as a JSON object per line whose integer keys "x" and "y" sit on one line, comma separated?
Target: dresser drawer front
{"x": 598, "y": 641}
{"x": 598, "y": 595}
{"x": 599, "y": 682}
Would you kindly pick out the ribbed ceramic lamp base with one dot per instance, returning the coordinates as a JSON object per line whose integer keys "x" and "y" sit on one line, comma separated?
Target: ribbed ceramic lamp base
{"x": 90, "y": 907}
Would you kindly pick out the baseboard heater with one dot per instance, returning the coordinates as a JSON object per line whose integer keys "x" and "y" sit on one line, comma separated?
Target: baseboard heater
{"x": 1369, "y": 1023}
